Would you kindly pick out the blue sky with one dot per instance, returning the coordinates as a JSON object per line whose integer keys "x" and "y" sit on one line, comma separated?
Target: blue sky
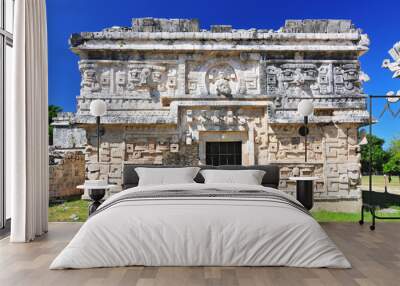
{"x": 379, "y": 19}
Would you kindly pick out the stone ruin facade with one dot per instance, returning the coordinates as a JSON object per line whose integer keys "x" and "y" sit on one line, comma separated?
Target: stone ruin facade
{"x": 66, "y": 171}
{"x": 170, "y": 87}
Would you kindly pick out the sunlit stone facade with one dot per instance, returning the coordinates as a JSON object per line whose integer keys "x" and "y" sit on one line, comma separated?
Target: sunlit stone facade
{"x": 170, "y": 87}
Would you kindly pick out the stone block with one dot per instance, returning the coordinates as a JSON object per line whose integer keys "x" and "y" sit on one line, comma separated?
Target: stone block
{"x": 333, "y": 187}
{"x": 130, "y": 148}
{"x": 162, "y": 147}
{"x": 105, "y": 145}
{"x": 344, "y": 179}
{"x": 116, "y": 153}
{"x": 104, "y": 169}
{"x": 344, "y": 187}
{"x": 94, "y": 167}
{"x": 105, "y": 158}
{"x": 141, "y": 147}
{"x": 115, "y": 171}
{"x": 103, "y": 177}
{"x": 93, "y": 175}
{"x": 116, "y": 160}
{"x": 174, "y": 148}
{"x": 332, "y": 153}
{"x": 342, "y": 168}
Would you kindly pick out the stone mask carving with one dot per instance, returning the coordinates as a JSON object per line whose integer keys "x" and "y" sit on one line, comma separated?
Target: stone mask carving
{"x": 221, "y": 80}
{"x": 223, "y": 87}
{"x": 144, "y": 76}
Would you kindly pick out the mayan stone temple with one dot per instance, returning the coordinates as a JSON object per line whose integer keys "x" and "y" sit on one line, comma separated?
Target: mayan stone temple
{"x": 174, "y": 92}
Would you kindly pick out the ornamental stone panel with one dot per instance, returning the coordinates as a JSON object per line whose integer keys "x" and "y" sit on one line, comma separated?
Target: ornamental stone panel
{"x": 171, "y": 87}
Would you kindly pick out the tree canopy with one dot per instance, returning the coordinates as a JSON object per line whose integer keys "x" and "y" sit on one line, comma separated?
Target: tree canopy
{"x": 392, "y": 166}
{"x": 379, "y": 155}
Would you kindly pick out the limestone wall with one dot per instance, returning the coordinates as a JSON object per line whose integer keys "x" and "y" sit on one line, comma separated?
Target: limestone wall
{"x": 332, "y": 150}
{"x": 67, "y": 171}
{"x": 171, "y": 87}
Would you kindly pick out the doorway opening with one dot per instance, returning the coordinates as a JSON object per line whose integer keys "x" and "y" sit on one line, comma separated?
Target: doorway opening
{"x": 224, "y": 153}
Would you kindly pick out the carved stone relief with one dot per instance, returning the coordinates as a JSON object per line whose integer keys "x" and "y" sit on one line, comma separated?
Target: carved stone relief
{"x": 347, "y": 79}
{"x": 127, "y": 78}
{"x": 309, "y": 79}
{"x": 223, "y": 77}
{"x": 120, "y": 81}
{"x": 296, "y": 79}
{"x": 223, "y": 117}
{"x": 221, "y": 80}
{"x": 89, "y": 81}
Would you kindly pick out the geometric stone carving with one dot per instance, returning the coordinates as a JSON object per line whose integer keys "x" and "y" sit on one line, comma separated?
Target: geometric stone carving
{"x": 306, "y": 79}
{"x": 89, "y": 79}
{"x": 346, "y": 79}
{"x": 168, "y": 85}
{"x": 143, "y": 77}
{"x": 127, "y": 78}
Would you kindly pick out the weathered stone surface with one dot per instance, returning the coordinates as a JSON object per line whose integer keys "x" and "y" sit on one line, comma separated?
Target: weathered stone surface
{"x": 66, "y": 134}
{"x": 318, "y": 26}
{"x": 164, "y": 25}
{"x": 165, "y": 101}
{"x": 67, "y": 171}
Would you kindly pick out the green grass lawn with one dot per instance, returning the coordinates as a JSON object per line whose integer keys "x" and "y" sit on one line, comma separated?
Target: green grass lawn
{"x": 325, "y": 216}
{"x": 70, "y": 210}
{"x": 378, "y": 181}
{"x": 77, "y": 210}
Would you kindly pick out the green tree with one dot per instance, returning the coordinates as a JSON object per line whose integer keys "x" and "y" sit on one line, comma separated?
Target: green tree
{"x": 392, "y": 166}
{"x": 379, "y": 155}
{"x": 53, "y": 110}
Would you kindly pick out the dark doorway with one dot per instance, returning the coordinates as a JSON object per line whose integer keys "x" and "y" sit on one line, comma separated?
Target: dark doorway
{"x": 224, "y": 153}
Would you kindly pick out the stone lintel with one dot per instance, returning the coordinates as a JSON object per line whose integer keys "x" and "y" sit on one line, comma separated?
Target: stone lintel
{"x": 167, "y": 99}
{"x": 190, "y": 46}
{"x": 138, "y": 119}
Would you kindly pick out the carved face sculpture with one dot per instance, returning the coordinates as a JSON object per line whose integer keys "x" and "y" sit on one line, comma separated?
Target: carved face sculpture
{"x": 144, "y": 76}
{"x": 89, "y": 81}
{"x": 221, "y": 80}
{"x": 354, "y": 177}
{"x": 223, "y": 87}
{"x": 89, "y": 77}
{"x": 298, "y": 77}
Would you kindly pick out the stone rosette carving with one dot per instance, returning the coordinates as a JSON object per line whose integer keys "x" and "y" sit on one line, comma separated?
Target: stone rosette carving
{"x": 393, "y": 66}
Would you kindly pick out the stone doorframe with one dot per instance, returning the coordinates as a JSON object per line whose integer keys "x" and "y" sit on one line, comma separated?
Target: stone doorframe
{"x": 246, "y": 137}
